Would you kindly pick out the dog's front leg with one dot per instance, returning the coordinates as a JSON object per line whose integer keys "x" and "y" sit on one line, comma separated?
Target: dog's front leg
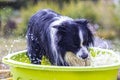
{"x": 35, "y": 51}
{"x": 34, "y": 56}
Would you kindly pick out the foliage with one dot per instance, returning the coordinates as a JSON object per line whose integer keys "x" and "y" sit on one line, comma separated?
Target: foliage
{"x": 26, "y": 13}
{"x": 68, "y": 10}
{"x": 6, "y": 14}
{"x": 104, "y": 13}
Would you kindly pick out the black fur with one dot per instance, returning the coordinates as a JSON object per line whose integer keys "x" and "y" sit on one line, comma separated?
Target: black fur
{"x": 67, "y": 37}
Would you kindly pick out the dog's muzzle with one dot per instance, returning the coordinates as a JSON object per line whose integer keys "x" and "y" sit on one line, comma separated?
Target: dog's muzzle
{"x": 83, "y": 53}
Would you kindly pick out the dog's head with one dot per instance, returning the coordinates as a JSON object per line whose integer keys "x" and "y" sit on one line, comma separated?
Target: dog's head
{"x": 71, "y": 35}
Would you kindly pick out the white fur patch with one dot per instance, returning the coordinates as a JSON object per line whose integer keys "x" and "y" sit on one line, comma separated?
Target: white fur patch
{"x": 60, "y": 20}
{"x": 81, "y": 37}
{"x": 53, "y": 32}
{"x": 54, "y": 38}
{"x": 83, "y": 48}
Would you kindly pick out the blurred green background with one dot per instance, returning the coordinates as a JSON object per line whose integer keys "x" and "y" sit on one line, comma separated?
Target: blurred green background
{"x": 14, "y": 16}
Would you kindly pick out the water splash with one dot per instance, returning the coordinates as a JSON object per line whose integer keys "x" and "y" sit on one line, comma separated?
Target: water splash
{"x": 11, "y": 45}
{"x": 102, "y": 43}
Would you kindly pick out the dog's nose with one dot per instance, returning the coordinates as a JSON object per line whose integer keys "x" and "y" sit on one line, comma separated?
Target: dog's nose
{"x": 84, "y": 55}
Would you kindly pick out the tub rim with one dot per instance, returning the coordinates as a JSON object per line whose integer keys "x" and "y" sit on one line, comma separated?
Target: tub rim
{"x": 12, "y": 63}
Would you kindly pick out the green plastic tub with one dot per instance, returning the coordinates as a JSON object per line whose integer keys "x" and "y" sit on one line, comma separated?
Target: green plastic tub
{"x": 21, "y": 69}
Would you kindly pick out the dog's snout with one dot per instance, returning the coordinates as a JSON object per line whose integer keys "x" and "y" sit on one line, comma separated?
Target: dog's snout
{"x": 84, "y": 55}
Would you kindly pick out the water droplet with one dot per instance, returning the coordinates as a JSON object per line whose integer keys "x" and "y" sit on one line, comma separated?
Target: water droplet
{"x": 33, "y": 59}
{"x": 17, "y": 40}
{"x": 36, "y": 49}
{"x": 11, "y": 45}
{"x": 32, "y": 38}
{"x": 38, "y": 59}
{"x": 6, "y": 46}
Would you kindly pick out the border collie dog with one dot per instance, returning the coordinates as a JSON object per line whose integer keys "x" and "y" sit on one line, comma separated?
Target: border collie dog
{"x": 52, "y": 35}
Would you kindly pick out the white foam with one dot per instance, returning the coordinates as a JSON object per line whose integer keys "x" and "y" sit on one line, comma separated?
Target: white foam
{"x": 105, "y": 59}
{"x": 53, "y": 32}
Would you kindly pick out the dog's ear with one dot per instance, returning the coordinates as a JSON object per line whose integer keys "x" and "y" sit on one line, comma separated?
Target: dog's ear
{"x": 61, "y": 28}
{"x": 56, "y": 26}
{"x": 81, "y": 21}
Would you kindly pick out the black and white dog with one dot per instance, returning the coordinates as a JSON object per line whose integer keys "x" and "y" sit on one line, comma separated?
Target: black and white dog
{"x": 52, "y": 35}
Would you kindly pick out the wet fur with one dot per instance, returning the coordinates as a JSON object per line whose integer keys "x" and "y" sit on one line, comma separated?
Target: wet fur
{"x": 50, "y": 35}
